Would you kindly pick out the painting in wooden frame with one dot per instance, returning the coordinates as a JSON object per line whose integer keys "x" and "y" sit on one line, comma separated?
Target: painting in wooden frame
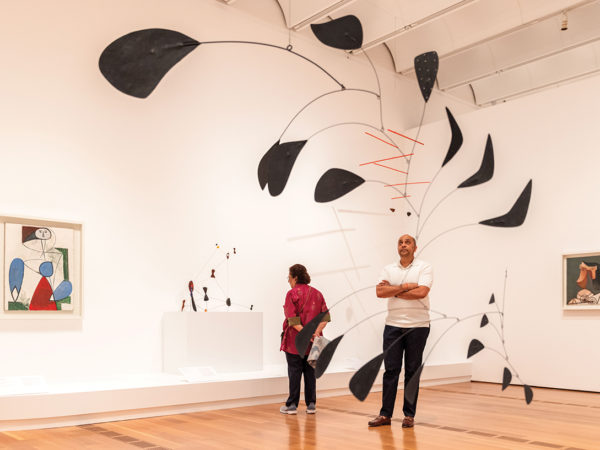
{"x": 41, "y": 267}
{"x": 581, "y": 281}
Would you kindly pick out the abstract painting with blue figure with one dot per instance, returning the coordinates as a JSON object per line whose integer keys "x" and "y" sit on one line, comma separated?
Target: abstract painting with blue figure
{"x": 38, "y": 275}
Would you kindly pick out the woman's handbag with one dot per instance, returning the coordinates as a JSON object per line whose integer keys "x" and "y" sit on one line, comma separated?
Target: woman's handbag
{"x": 318, "y": 345}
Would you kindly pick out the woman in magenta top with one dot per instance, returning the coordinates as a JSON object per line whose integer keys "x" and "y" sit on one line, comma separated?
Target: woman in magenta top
{"x": 302, "y": 304}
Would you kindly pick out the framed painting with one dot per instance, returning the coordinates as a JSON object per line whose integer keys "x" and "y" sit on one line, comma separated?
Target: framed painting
{"x": 42, "y": 268}
{"x": 581, "y": 281}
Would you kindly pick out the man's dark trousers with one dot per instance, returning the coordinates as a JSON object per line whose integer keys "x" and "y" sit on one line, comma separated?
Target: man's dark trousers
{"x": 411, "y": 346}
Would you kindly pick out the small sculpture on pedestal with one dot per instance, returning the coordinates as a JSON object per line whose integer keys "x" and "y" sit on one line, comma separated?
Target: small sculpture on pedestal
{"x": 191, "y": 287}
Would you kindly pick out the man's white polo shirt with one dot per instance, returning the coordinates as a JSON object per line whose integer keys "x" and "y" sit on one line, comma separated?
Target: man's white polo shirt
{"x": 408, "y": 313}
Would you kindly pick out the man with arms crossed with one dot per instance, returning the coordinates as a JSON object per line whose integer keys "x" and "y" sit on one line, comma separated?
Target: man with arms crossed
{"x": 406, "y": 285}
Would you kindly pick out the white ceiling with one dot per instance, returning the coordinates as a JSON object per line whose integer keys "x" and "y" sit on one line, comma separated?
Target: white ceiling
{"x": 490, "y": 50}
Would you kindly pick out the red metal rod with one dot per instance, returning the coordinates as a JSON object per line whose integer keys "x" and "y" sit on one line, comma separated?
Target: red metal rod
{"x": 400, "y": 134}
{"x": 404, "y": 184}
{"x": 391, "y": 168}
{"x": 386, "y": 142}
{"x": 386, "y": 159}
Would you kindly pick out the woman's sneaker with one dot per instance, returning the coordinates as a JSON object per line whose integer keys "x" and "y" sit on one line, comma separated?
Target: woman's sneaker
{"x": 311, "y": 408}
{"x": 288, "y": 409}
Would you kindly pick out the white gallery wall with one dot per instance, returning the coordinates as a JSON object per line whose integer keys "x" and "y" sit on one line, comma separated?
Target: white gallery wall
{"x": 157, "y": 182}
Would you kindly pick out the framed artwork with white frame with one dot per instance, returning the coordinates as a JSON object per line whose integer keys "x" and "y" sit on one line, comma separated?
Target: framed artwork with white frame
{"x": 41, "y": 268}
{"x": 581, "y": 281}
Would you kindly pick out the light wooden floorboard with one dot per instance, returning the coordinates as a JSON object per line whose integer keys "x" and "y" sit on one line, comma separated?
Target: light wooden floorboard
{"x": 466, "y": 416}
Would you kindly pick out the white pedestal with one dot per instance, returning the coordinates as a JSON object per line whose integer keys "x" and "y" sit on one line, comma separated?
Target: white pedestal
{"x": 225, "y": 341}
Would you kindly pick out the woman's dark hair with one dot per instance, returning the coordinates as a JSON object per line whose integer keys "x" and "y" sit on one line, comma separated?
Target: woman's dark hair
{"x": 299, "y": 271}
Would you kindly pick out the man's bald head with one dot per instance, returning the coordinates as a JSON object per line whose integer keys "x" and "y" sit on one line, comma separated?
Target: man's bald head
{"x": 407, "y": 236}
{"x": 407, "y": 245}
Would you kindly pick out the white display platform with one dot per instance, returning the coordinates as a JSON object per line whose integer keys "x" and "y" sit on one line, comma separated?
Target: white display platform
{"x": 70, "y": 402}
{"x": 213, "y": 339}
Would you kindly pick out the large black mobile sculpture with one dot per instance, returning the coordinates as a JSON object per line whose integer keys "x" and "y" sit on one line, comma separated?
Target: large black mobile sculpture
{"x": 338, "y": 182}
{"x": 136, "y": 62}
{"x": 362, "y": 381}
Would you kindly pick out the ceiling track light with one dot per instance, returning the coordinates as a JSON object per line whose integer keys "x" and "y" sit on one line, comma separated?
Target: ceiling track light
{"x": 564, "y": 24}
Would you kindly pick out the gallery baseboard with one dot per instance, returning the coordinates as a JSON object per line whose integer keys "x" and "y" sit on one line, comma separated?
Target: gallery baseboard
{"x": 147, "y": 395}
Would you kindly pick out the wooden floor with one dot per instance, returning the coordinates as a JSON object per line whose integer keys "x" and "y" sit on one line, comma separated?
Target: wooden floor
{"x": 458, "y": 416}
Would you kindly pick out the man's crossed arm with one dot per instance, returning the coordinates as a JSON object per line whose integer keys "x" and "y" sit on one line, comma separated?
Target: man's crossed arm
{"x": 406, "y": 291}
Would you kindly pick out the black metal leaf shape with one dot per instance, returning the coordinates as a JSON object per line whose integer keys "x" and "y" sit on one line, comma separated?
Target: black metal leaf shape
{"x": 456, "y": 141}
{"x": 517, "y": 214}
{"x": 492, "y": 299}
{"x": 336, "y": 183}
{"x": 412, "y": 387}
{"x": 484, "y": 321}
{"x": 304, "y": 336}
{"x": 426, "y": 68}
{"x": 263, "y": 166}
{"x": 528, "y": 393}
{"x": 345, "y": 33}
{"x": 474, "y": 347}
{"x": 326, "y": 355}
{"x": 136, "y": 62}
{"x": 276, "y": 165}
{"x": 486, "y": 170}
{"x": 362, "y": 381}
{"x": 506, "y": 378}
